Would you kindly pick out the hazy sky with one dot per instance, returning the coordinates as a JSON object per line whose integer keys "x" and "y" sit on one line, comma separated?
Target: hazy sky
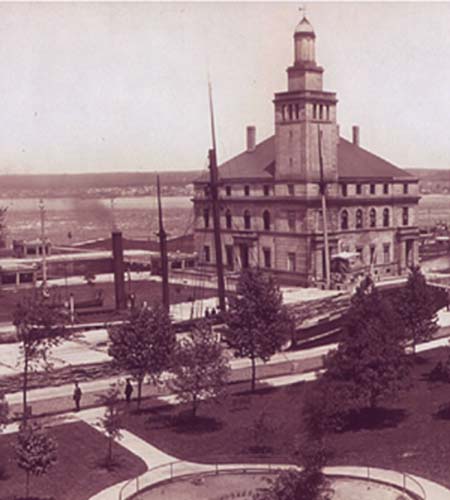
{"x": 123, "y": 86}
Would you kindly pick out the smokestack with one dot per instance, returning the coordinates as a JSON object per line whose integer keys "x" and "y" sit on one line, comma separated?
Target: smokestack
{"x": 118, "y": 268}
{"x": 355, "y": 131}
{"x": 251, "y": 138}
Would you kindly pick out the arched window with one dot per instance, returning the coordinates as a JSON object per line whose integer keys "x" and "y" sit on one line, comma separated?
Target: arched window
{"x": 373, "y": 217}
{"x": 344, "y": 219}
{"x": 206, "y": 216}
{"x": 247, "y": 220}
{"x": 228, "y": 219}
{"x": 386, "y": 217}
{"x": 359, "y": 219}
{"x": 266, "y": 219}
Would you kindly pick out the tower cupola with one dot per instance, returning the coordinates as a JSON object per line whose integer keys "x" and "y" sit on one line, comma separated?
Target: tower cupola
{"x": 304, "y": 74}
{"x": 304, "y": 41}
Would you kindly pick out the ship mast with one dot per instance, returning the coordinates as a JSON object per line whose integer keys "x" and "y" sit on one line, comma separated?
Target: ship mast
{"x": 213, "y": 176}
{"x": 163, "y": 252}
{"x": 323, "y": 189}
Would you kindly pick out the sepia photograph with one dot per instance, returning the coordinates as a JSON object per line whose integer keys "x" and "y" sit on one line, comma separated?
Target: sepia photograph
{"x": 224, "y": 250}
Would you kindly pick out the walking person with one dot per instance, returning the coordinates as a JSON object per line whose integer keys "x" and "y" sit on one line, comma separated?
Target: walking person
{"x": 128, "y": 391}
{"x": 77, "y": 396}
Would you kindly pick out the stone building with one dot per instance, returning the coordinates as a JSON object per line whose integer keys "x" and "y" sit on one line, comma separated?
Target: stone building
{"x": 270, "y": 197}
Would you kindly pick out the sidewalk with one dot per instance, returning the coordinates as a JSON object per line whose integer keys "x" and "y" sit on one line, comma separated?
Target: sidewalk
{"x": 300, "y": 364}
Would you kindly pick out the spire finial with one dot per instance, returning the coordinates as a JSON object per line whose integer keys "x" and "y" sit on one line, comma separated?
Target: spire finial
{"x": 302, "y": 9}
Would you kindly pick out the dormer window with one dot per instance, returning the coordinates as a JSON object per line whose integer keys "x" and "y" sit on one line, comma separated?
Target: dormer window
{"x": 291, "y": 190}
{"x": 358, "y": 188}
{"x": 247, "y": 190}
{"x": 405, "y": 188}
{"x": 266, "y": 190}
{"x": 372, "y": 189}
{"x": 228, "y": 190}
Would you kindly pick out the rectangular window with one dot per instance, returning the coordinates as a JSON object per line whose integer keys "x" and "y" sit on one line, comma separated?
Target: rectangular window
{"x": 291, "y": 190}
{"x": 291, "y": 261}
{"x": 405, "y": 188}
{"x": 267, "y": 258}
{"x": 229, "y": 256}
{"x": 344, "y": 190}
{"x": 228, "y": 190}
{"x": 405, "y": 216}
{"x": 372, "y": 189}
{"x": 291, "y": 221}
{"x": 266, "y": 190}
{"x": 247, "y": 190}
{"x": 207, "y": 253}
{"x": 386, "y": 253}
{"x": 358, "y": 188}
{"x": 385, "y": 188}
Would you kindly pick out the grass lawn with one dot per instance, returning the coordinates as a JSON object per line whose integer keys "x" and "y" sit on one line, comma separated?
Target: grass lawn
{"x": 79, "y": 472}
{"x": 411, "y": 434}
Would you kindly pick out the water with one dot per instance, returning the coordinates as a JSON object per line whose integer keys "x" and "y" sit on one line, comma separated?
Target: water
{"x": 73, "y": 220}
{"x": 87, "y": 219}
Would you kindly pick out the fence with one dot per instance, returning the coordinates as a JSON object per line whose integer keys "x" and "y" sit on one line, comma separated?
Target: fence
{"x": 179, "y": 469}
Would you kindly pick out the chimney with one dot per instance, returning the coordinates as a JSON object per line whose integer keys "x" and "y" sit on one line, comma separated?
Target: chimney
{"x": 251, "y": 138}
{"x": 355, "y": 133}
{"x": 118, "y": 268}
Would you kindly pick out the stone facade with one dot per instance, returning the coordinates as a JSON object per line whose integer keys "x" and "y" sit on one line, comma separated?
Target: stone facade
{"x": 270, "y": 195}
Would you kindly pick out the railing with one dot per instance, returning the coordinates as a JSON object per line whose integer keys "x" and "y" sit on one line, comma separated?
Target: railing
{"x": 180, "y": 469}
{"x": 400, "y": 480}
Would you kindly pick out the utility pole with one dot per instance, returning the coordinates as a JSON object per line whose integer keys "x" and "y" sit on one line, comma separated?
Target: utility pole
{"x": 163, "y": 252}
{"x": 44, "y": 249}
{"x": 323, "y": 190}
{"x": 213, "y": 176}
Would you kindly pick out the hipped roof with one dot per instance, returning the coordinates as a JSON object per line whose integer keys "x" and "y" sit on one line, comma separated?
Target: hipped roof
{"x": 354, "y": 163}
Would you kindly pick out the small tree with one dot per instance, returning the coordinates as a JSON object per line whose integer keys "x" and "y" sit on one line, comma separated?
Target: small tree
{"x": 111, "y": 421}
{"x": 40, "y": 327}
{"x": 200, "y": 369}
{"x": 259, "y": 432}
{"x": 416, "y": 306}
{"x": 143, "y": 344}
{"x": 35, "y": 452}
{"x": 307, "y": 484}
{"x": 257, "y": 322}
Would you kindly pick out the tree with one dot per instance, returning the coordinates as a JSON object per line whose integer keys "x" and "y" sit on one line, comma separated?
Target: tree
{"x": 143, "y": 344}
{"x": 257, "y": 322}
{"x": 417, "y": 308}
{"x": 368, "y": 366}
{"x": 200, "y": 369}
{"x": 40, "y": 326}
{"x": 308, "y": 483}
{"x": 111, "y": 421}
{"x": 35, "y": 452}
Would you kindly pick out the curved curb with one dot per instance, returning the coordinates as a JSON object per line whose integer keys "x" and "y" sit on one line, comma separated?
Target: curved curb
{"x": 411, "y": 484}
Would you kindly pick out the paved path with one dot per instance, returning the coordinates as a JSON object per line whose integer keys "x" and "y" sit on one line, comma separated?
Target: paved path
{"x": 305, "y": 363}
{"x": 163, "y": 466}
